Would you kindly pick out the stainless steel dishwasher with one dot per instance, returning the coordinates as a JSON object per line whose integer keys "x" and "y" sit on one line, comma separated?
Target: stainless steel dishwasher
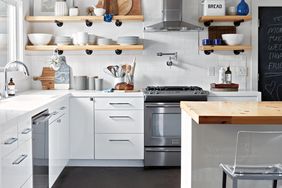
{"x": 40, "y": 149}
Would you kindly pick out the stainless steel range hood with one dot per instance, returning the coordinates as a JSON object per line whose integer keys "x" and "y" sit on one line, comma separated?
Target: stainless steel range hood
{"x": 172, "y": 19}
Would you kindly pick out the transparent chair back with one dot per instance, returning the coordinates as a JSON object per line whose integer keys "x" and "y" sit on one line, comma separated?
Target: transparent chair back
{"x": 258, "y": 153}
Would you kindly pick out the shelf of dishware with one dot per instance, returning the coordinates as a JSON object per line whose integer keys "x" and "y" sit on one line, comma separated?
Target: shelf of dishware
{"x": 236, "y": 49}
{"x": 88, "y": 48}
{"x": 237, "y": 20}
{"x": 81, "y": 18}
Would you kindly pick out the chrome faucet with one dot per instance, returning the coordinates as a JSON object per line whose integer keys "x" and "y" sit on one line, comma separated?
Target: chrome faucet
{"x": 6, "y": 68}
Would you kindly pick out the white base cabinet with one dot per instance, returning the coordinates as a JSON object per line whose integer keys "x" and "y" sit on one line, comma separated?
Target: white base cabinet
{"x": 81, "y": 128}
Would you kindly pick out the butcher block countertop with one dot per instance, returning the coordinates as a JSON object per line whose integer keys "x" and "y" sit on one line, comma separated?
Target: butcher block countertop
{"x": 234, "y": 112}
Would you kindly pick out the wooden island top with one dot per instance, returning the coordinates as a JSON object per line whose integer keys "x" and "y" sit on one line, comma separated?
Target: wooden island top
{"x": 234, "y": 112}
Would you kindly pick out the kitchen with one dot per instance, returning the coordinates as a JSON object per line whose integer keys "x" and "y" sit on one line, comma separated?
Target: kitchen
{"x": 104, "y": 134}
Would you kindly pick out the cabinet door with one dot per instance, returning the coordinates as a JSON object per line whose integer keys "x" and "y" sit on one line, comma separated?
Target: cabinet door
{"x": 54, "y": 152}
{"x": 81, "y": 128}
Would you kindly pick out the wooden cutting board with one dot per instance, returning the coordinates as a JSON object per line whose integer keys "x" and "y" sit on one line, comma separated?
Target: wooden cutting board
{"x": 136, "y": 8}
{"x": 47, "y": 78}
{"x": 124, "y": 6}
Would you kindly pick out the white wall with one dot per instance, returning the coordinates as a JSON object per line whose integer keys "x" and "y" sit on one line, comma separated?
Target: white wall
{"x": 191, "y": 69}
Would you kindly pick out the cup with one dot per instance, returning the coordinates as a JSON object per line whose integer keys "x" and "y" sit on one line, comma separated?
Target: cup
{"x": 82, "y": 38}
{"x": 217, "y": 42}
{"x": 73, "y": 11}
{"x": 98, "y": 84}
{"x": 206, "y": 42}
{"x": 231, "y": 10}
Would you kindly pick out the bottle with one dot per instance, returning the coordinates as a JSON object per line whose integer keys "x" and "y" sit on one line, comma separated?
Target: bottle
{"x": 221, "y": 75}
{"x": 11, "y": 88}
{"x": 228, "y": 76}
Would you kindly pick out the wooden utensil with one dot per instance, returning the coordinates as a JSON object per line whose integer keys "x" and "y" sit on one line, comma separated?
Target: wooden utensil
{"x": 47, "y": 78}
{"x": 124, "y": 6}
{"x": 136, "y": 8}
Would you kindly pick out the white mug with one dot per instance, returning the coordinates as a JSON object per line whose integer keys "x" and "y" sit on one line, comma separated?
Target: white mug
{"x": 81, "y": 38}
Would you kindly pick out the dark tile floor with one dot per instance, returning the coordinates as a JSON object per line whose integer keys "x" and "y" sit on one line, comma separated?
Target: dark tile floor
{"x": 93, "y": 177}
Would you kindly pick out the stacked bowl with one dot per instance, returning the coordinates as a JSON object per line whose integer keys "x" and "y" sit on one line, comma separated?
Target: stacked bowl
{"x": 104, "y": 41}
{"x": 128, "y": 40}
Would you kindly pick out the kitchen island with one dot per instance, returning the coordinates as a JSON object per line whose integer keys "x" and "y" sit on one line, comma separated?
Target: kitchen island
{"x": 209, "y": 131}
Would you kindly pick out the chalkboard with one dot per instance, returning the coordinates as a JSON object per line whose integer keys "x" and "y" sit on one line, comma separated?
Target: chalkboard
{"x": 270, "y": 53}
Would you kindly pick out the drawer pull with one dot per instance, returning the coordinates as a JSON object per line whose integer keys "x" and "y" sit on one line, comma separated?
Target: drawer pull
{"x": 120, "y": 117}
{"x": 119, "y": 103}
{"x": 59, "y": 121}
{"x": 63, "y": 108}
{"x": 10, "y": 141}
{"x": 26, "y": 131}
{"x": 20, "y": 159}
{"x": 118, "y": 140}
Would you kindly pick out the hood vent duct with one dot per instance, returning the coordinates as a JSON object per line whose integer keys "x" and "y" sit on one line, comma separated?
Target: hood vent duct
{"x": 172, "y": 19}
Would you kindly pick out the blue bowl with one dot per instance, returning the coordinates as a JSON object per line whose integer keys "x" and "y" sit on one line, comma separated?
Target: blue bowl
{"x": 217, "y": 42}
{"x": 207, "y": 42}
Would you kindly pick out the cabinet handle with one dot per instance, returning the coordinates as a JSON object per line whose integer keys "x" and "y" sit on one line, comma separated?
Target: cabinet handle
{"x": 26, "y": 131}
{"x": 120, "y": 117}
{"x": 20, "y": 159}
{"x": 119, "y": 103}
{"x": 54, "y": 113}
{"x": 63, "y": 108}
{"x": 10, "y": 141}
{"x": 118, "y": 140}
{"x": 59, "y": 121}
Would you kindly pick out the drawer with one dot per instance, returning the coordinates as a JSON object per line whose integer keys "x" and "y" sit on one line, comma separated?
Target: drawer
{"x": 24, "y": 130}
{"x": 58, "y": 110}
{"x": 119, "y": 146}
{"x": 9, "y": 140}
{"x": 123, "y": 121}
{"x": 119, "y": 103}
{"x": 17, "y": 167}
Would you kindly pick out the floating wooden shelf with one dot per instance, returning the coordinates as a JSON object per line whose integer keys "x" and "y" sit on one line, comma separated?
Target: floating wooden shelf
{"x": 81, "y": 18}
{"x": 207, "y": 20}
{"x": 236, "y": 49}
{"x": 88, "y": 48}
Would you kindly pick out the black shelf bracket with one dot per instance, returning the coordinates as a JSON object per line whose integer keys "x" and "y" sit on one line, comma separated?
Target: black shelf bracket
{"x": 59, "y": 52}
{"x": 118, "y": 52}
{"x": 88, "y": 23}
{"x": 89, "y": 52}
{"x": 208, "y": 52}
{"x": 238, "y": 23}
{"x": 237, "y": 52}
{"x": 59, "y": 23}
{"x": 208, "y": 23}
{"x": 118, "y": 23}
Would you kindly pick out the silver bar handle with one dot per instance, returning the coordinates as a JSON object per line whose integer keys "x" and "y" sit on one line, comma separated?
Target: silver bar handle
{"x": 59, "y": 121}
{"x": 119, "y": 140}
{"x": 10, "y": 141}
{"x": 20, "y": 159}
{"x": 120, "y": 117}
{"x": 26, "y": 131}
{"x": 119, "y": 103}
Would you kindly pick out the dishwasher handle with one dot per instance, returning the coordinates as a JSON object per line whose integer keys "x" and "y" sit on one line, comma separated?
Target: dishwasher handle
{"x": 43, "y": 118}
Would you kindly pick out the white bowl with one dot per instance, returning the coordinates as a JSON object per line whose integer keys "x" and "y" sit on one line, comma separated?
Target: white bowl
{"x": 3, "y": 41}
{"x": 99, "y": 11}
{"x": 40, "y": 38}
{"x": 104, "y": 41}
{"x": 233, "y": 39}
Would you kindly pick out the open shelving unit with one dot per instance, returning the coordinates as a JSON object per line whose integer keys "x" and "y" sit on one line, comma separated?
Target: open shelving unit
{"x": 87, "y": 48}
{"x": 237, "y": 20}
{"x": 59, "y": 20}
{"x": 236, "y": 49}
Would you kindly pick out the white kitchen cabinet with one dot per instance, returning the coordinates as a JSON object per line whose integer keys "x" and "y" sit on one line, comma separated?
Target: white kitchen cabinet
{"x": 17, "y": 166}
{"x": 81, "y": 128}
{"x": 112, "y": 103}
{"x": 121, "y": 121}
{"x": 243, "y": 96}
{"x": 9, "y": 139}
{"x": 119, "y": 146}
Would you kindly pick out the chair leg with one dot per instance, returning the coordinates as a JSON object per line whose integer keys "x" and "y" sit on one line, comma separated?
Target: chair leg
{"x": 224, "y": 180}
{"x": 274, "y": 184}
{"x": 235, "y": 183}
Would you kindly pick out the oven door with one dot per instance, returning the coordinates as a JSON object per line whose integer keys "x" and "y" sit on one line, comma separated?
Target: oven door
{"x": 162, "y": 124}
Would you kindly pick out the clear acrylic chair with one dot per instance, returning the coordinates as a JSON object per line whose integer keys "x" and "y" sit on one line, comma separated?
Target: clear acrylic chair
{"x": 258, "y": 157}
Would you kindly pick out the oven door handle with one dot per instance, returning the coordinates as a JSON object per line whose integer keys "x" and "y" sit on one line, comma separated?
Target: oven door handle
{"x": 162, "y": 149}
{"x": 162, "y": 106}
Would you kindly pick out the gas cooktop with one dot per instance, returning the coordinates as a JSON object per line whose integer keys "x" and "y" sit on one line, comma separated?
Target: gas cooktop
{"x": 174, "y": 94}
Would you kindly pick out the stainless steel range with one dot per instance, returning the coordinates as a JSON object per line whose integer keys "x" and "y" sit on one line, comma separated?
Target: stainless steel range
{"x": 163, "y": 122}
